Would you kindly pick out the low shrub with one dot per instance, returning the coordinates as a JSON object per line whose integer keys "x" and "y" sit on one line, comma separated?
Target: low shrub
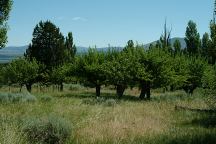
{"x": 51, "y": 130}
{"x": 46, "y": 98}
{"x": 16, "y": 97}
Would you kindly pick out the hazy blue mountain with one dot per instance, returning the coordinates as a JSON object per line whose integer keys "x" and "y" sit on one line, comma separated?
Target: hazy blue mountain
{"x": 182, "y": 41}
{"x": 9, "y": 53}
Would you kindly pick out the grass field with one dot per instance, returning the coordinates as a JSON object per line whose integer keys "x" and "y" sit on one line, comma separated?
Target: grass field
{"x": 109, "y": 120}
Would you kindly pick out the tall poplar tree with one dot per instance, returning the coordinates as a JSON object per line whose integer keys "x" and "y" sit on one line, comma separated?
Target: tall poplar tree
{"x": 70, "y": 46}
{"x": 192, "y": 38}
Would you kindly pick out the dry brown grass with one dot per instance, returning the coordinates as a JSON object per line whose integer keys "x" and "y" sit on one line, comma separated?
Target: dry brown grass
{"x": 122, "y": 123}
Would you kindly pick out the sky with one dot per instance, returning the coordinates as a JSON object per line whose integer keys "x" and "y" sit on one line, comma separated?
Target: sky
{"x": 108, "y": 22}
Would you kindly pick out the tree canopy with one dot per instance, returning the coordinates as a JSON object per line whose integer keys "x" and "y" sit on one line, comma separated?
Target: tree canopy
{"x": 5, "y": 8}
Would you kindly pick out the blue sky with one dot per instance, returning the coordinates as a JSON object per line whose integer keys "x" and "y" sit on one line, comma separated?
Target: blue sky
{"x": 103, "y": 22}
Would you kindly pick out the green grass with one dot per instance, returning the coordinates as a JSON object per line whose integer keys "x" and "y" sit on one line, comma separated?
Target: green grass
{"x": 109, "y": 120}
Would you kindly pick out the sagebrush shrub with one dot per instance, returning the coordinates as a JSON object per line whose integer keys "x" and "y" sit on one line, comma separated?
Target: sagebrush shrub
{"x": 16, "y": 97}
{"x": 50, "y": 130}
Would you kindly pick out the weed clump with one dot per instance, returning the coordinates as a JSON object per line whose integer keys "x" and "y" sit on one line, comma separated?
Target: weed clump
{"x": 100, "y": 101}
{"x": 110, "y": 102}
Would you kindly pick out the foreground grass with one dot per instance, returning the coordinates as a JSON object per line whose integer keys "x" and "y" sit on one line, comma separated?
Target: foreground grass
{"x": 126, "y": 121}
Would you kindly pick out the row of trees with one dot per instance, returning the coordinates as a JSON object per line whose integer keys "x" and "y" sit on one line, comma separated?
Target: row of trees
{"x": 51, "y": 59}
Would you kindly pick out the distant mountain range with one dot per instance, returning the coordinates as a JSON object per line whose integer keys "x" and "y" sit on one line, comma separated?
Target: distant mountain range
{"x": 182, "y": 41}
{"x": 12, "y": 52}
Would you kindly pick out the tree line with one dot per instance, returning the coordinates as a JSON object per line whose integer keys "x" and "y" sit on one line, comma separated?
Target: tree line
{"x": 51, "y": 59}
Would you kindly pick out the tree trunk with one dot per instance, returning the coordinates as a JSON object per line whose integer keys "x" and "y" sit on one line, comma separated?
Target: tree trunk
{"x": 143, "y": 90}
{"x": 61, "y": 87}
{"x": 29, "y": 87}
{"x": 21, "y": 88}
{"x": 98, "y": 88}
{"x": 172, "y": 88}
{"x": 120, "y": 90}
{"x": 148, "y": 88}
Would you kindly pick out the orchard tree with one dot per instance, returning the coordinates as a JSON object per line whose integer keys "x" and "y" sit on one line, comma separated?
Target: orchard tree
{"x": 59, "y": 75}
{"x": 195, "y": 71}
{"x": 156, "y": 71}
{"x": 119, "y": 71}
{"x": 48, "y": 46}
{"x": 5, "y": 8}
{"x": 192, "y": 38}
{"x": 22, "y": 72}
{"x": 90, "y": 71}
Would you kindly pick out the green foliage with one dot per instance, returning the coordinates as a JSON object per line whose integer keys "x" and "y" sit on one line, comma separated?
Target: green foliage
{"x": 16, "y": 98}
{"x": 180, "y": 67}
{"x": 192, "y": 38}
{"x": 90, "y": 70}
{"x": 51, "y": 130}
{"x": 119, "y": 71}
{"x": 59, "y": 75}
{"x": 209, "y": 77}
{"x": 209, "y": 83}
{"x": 189, "y": 71}
{"x": 158, "y": 65}
{"x": 20, "y": 71}
{"x": 196, "y": 67}
{"x": 5, "y": 8}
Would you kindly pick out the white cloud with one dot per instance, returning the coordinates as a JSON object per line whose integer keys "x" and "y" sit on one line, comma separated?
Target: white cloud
{"x": 79, "y": 19}
{"x": 60, "y": 18}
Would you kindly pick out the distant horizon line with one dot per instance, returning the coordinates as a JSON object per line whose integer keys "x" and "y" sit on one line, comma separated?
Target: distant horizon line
{"x": 94, "y": 45}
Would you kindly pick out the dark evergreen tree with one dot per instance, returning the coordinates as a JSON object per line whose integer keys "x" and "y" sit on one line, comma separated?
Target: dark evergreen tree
{"x": 192, "y": 38}
{"x": 5, "y": 7}
{"x": 48, "y": 46}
